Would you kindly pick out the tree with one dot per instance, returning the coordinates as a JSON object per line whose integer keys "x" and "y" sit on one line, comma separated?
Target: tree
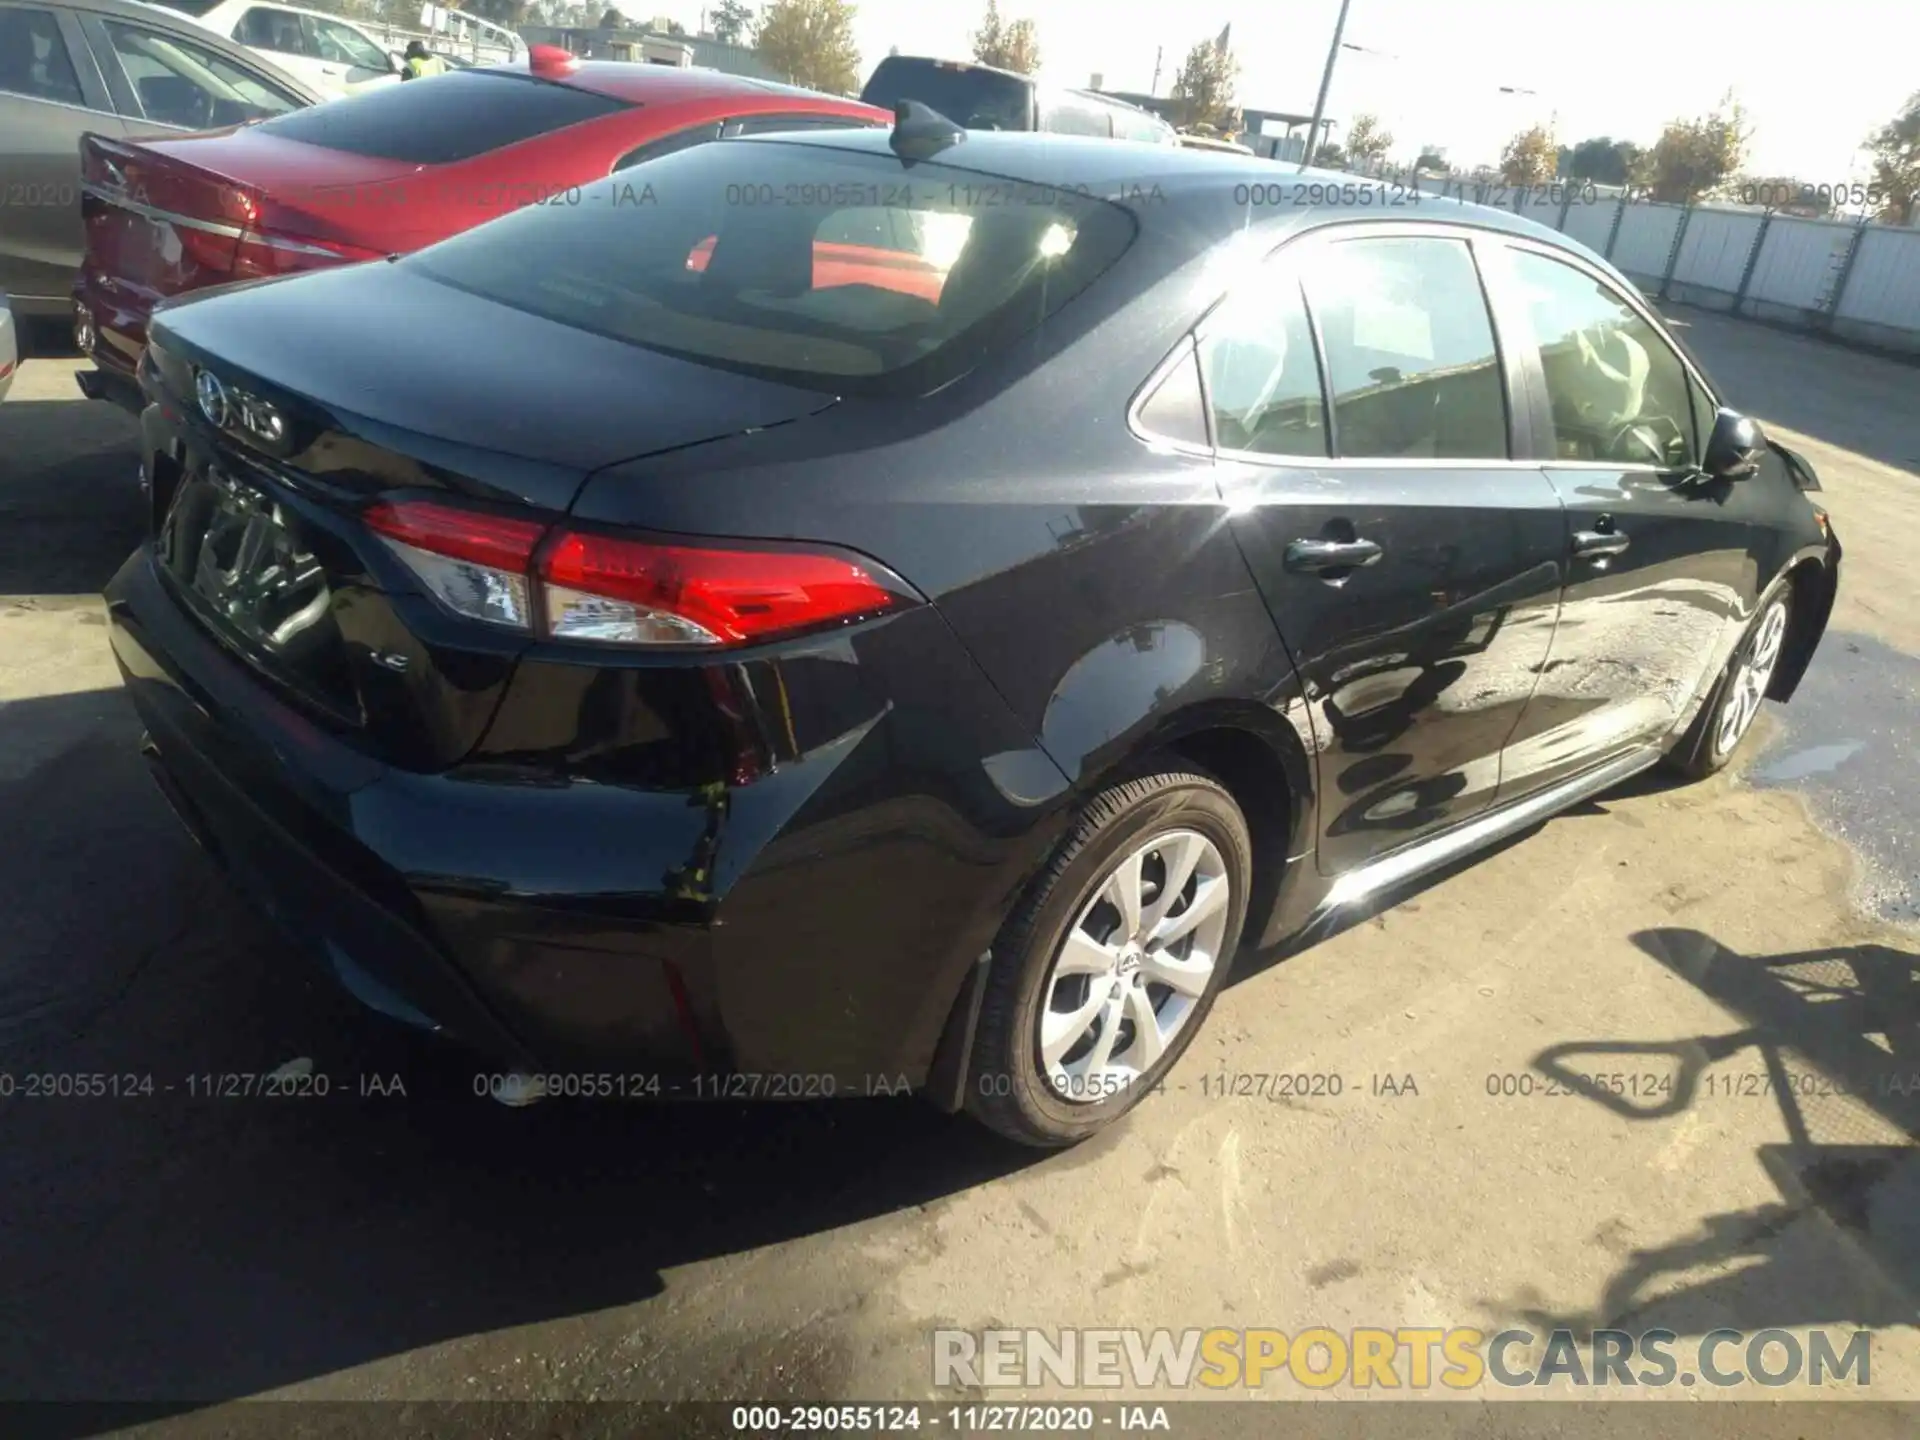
{"x": 811, "y": 43}
{"x": 612, "y": 20}
{"x": 1330, "y": 156}
{"x": 1368, "y": 141}
{"x": 1430, "y": 159}
{"x": 1530, "y": 157}
{"x": 1693, "y": 158}
{"x": 733, "y": 23}
{"x": 1603, "y": 160}
{"x": 1896, "y": 165}
{"x": 1204, "y": 86}
{"x": 674, "y": 27}
{"x": 1011, "y": 46}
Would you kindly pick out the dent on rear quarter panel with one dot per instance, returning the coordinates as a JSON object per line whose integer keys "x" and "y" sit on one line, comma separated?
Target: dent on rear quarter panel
{"x": 822, "y": 874}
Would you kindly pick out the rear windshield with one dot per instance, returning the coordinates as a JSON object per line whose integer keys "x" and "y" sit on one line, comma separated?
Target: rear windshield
{"x": 832, "y": 269}
{"x": 978, "y": 99}
{"x": 443, "y": 119}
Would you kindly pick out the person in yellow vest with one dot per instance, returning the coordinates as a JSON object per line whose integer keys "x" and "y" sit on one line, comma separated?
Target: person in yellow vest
{"x": 421, "y": 62}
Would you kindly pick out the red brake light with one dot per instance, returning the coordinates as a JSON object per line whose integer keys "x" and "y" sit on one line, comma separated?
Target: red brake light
{"x": 601, "y": 587}
{"x": 619, "y": 591}
{"x": 504, "y": 542}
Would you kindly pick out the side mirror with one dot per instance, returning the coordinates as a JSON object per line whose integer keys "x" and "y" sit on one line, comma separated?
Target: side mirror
{"x": 1735, "y": 446}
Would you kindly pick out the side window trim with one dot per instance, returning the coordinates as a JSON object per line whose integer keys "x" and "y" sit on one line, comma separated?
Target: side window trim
{"x": 1329, "y": 412}
{"x": 1632, "y": 299}
{"x": 125, "y": 102}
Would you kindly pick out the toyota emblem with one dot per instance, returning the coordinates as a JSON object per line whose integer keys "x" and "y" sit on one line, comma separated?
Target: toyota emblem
{"x": 212, "y": 396}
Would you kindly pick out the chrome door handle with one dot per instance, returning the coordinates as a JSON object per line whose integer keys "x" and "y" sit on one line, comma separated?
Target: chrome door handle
{"x": 1316, "y": 556}
{"x": 1594, "y": 543}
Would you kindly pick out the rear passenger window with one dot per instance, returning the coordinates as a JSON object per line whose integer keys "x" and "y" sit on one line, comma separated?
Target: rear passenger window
{"x": 461, "y": 115}
{"x": 33, "y": 58}
{"x": 1410, "y": 352}
{"x": 1263, "y": 381}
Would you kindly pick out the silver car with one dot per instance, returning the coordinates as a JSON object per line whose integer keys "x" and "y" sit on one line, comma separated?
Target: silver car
{"x": 118, "y": 68}
{"x": 9, "y": 347}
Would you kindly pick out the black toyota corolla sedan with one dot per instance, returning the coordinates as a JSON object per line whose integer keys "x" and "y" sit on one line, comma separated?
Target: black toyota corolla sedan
{"x": 823, "y": 613}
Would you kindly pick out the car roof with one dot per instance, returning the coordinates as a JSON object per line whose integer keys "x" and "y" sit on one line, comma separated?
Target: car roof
{"x": 664, "y": 84}
{"x": 297, "y": 10}
{"x": 1180, "y": 188}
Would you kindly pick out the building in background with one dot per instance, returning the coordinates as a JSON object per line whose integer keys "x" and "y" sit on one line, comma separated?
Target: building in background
{"x": 650, "y": 47}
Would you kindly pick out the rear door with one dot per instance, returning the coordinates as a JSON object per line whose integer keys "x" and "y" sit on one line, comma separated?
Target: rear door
{"x": 51, "y": 94}
{"x": 1413, "y": 566}
{"x": 1661, "y": 564}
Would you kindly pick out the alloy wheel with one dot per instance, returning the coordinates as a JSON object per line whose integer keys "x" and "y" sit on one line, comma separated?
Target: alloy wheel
{"x": 1134, "y": 966}
{"x": 1747, "y": 686}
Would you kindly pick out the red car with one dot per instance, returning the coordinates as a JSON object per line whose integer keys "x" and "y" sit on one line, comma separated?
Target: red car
{"x": 387, "y": 172}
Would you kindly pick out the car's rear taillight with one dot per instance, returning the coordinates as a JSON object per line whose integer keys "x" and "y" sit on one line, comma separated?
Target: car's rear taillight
{"x": 475, "y": 563}
{"x": 602, "y": 587}
{"x": 618, "y": 590}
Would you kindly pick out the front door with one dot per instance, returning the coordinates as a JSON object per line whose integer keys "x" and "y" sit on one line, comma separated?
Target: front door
{"x": 1660, "y": 561}
{"x": 1412, "y": 566}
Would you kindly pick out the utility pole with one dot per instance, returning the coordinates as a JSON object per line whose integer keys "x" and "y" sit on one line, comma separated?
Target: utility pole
{"x": 1153, "y": 90}
{"x": 1326, "y": 79}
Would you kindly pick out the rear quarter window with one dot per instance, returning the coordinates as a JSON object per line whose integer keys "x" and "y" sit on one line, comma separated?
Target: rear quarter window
{"x": 445, "y": 119}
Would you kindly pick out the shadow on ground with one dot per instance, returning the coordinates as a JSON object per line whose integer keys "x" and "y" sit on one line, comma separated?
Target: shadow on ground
{"x": 162, "y": 1245}
{"x": 1832, "y": 1038}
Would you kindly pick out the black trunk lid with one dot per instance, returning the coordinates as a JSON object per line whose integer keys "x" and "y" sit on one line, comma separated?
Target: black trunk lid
{"x": 294, "y": 403}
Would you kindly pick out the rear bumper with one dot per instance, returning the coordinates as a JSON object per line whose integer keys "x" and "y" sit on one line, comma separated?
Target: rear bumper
{"x": 119, "y": 328}
{"x": 549, "y": 922}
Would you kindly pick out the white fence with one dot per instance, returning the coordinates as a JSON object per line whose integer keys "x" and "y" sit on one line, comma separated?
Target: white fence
{"x": 1853, "y": 279}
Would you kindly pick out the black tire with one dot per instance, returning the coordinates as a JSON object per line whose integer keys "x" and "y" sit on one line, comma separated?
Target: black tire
{"x": 1007, "y": 1089}
{"x": 1702, "y": 751}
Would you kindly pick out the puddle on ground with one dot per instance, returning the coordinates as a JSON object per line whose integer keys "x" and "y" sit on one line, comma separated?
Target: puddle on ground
{"x": 1850, "y": 741}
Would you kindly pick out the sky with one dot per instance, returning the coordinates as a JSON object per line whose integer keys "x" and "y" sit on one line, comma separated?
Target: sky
{"x": 1815, "y": 79}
